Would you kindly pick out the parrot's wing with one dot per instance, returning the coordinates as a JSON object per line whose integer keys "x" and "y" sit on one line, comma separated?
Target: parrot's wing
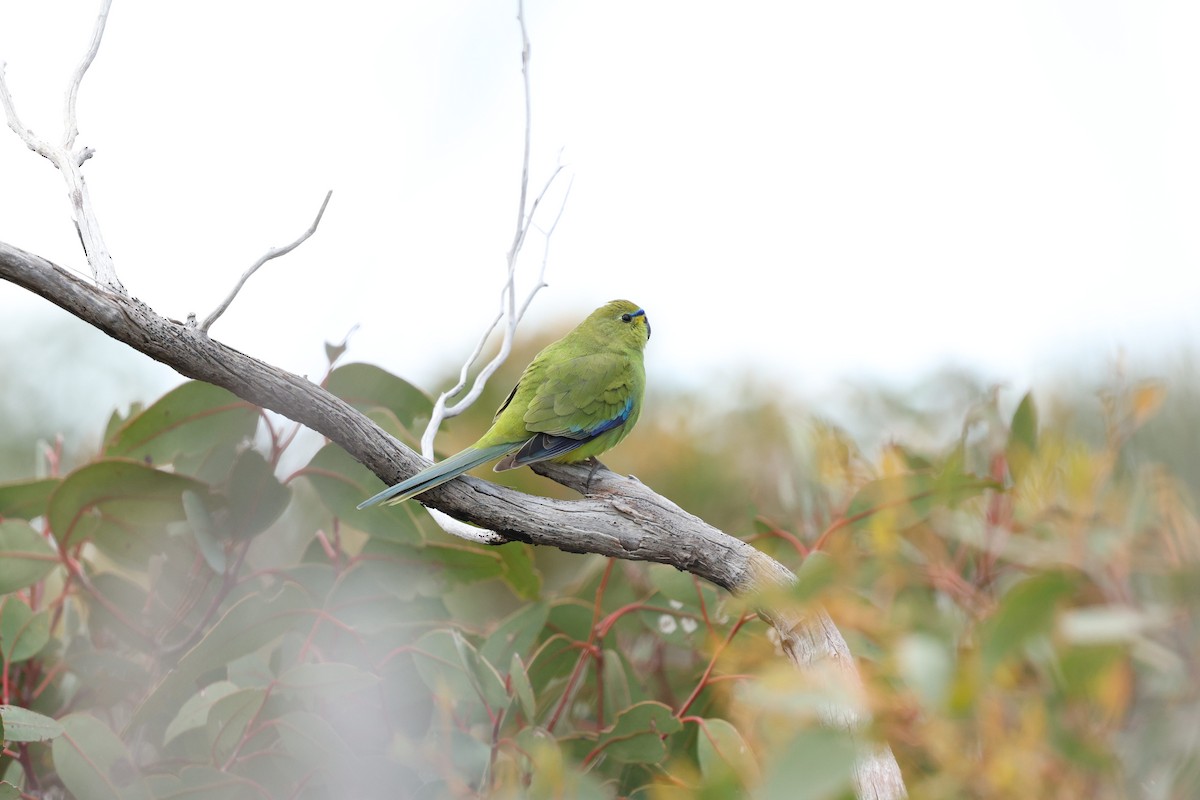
{"x": 577, "y": 400}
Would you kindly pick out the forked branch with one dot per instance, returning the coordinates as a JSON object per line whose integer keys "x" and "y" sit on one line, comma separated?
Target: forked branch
{"x": 69, "y": 161}
{"x": 510, "y": 314}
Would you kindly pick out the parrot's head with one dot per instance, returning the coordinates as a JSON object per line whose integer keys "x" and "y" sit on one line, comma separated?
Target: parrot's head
{"x": 623, "y": 322}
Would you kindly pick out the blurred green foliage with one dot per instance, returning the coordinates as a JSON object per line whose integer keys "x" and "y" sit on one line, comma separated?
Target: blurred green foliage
{"x": 182, "y": 615}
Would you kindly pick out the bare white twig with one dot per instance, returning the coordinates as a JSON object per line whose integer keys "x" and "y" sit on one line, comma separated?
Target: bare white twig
{"x": 546, "y": 236}
{"x": 70, "y": 122}
{"x": 510, "y": 313}
{"x": 464, "y": 531}
{"x": 10, "y": 112}
{"x": 274, "y": 252}
{"x": 68, "y": 161}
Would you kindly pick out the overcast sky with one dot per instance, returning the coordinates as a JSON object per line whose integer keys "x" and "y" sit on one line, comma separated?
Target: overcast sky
{"x": 805, "y": 190}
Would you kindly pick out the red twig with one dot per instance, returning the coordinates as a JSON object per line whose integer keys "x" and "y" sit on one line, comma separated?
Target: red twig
{"x": 704, "y": 679}
{"x": 607, "y": 623}
{"x": 588, "y": 649}
{"x": 780, "y": 533}
{"x": 703, "y": 607}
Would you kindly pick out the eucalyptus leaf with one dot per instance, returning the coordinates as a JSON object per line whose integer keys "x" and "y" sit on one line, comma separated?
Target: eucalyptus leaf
{"x": 256, "y": 497}
{"x": 200, "y": 524}
{"x": 721, "y": 749}
{"x": 519, "y": 679}
{"x": 93, "y": 762}
{"x": 26, "y": 499}
{"x": 254, "y": 621}
{"x": 123, "y": 506}
{"x": 196, "y": 426}
{"x": 1026, "y": 611}
{"x": 818, "y": 764}
{"x": 638, "y": 733}
{"x": 517, "y": 634}
{"x": 23, "y": 725}
{"x": 193, "y": 714}
{"x": 1023, "y": 436}
{"x": 25, "y": 556}
{"x": 229, "y": 717}
{"x": 367, "y": 388}
{"x": 328, "y": 679}
{"x": 342, "y": 483}
{"x": 23, "y": 633}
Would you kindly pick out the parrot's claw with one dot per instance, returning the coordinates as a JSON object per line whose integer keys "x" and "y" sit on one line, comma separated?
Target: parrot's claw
{"x": 595, "y": 466}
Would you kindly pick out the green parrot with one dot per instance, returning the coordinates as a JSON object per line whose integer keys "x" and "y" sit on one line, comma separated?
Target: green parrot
{"x": 576, "y": 399}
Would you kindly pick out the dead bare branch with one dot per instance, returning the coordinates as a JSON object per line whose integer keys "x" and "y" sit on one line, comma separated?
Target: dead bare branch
{"x": 69, "y": 161}
{"x": 274, "y": 252}
{"x": 510, "y": 314}
{"x": 70, "y": 121}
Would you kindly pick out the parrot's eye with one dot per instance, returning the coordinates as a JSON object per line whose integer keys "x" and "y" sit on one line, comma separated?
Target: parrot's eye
{"x": 627, "y": 318}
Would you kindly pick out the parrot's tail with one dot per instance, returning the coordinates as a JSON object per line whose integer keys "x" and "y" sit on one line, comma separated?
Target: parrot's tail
{"x": 439, "y": 473}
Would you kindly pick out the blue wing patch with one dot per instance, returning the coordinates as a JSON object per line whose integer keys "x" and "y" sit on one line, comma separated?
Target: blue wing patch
{"x": 545, "y": 446}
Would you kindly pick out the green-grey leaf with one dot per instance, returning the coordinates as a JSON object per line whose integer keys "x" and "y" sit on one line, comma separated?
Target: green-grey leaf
{"x": 23, "y": 725}
{"x": 249, "y": 624}
{"x": 367, "y": 387}
{"x": 720, "y": 750}
{"x": 25, "y": 556}
{"x": 451, "y": 667}
{"x": 203, "y": 783}
{"x": 520, "y": 572}
{"x": 196, "y": 426}
{"x": 309, "y": 738}
{"x": 342, "y": 483}
{"x": 327, "y": 680}
{"x": 256, "y": 497}
{"x": 23, "y": 633}
{"x": 92, "y": 761}
{"x": 26, "y": 499}
{"x": 1022, "y": 436}
{"x": 200, "y": 524}
{"x": 519, "y": 679}
{"x": 1026, "y": 611}
{"x": 911, "y": 498}
{"x": 516, "y": 634}
{"x": 1024, "y": 428}
{"x": 194, "y": 713}
{"x": 818, "y": 764}
{"x": 123, "y": 506}
{"x": 817, "y": 572}
{"x": 637, "y": 735}
{"x": 229, "y": 717}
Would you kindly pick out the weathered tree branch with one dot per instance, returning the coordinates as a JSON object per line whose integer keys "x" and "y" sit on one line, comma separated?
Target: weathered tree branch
{"x": 618, "y": 517}
{"x": 68, "y": 161}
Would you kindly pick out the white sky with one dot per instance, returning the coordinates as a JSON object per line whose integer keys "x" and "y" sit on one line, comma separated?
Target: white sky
{"x": 807, "y": 190}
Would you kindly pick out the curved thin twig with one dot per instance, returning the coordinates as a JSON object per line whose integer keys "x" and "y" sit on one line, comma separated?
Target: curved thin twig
{"x": 70, "y": 121}
{"x": 510, "y": 315}
{"x": 274, "y": 252}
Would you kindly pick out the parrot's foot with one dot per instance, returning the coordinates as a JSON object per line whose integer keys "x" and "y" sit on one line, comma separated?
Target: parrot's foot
{"x": 594, "y": 467}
